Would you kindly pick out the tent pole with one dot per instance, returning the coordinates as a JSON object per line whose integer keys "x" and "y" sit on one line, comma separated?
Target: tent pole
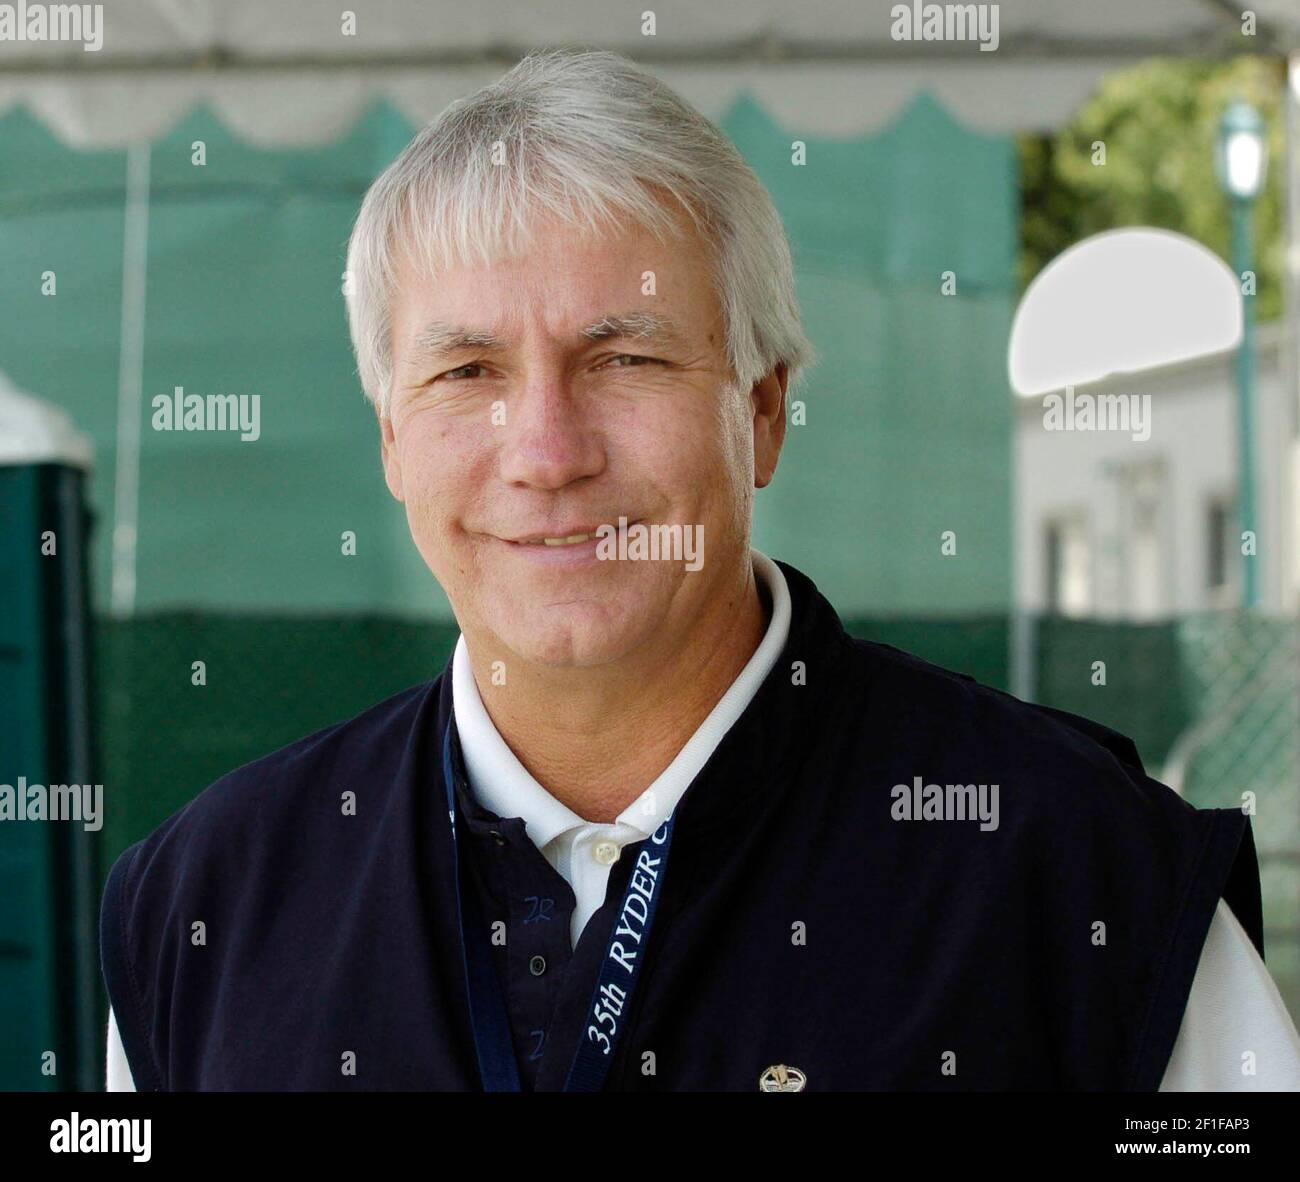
{"x": 126, "y": 469}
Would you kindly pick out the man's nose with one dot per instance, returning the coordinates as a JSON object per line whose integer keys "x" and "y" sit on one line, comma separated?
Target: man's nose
{"x": 547, "y": 439}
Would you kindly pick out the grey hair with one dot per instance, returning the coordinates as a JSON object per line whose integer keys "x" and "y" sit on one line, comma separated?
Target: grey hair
{"x": 586, "y": 136}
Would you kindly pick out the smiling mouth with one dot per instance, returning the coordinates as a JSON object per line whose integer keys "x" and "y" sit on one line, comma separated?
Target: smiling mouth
{"x": 566, "y": 540}
{"x": 560, "y": 541}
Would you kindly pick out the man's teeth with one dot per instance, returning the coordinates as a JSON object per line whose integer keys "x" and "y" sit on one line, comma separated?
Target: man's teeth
{"x": 571, "y": 540}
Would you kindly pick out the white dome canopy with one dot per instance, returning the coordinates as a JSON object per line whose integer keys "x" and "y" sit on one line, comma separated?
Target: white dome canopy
{"x": 1119, "y": 302}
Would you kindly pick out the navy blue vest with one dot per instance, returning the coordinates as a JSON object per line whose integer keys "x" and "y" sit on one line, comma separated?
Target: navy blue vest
{"x": 801, "y": 921}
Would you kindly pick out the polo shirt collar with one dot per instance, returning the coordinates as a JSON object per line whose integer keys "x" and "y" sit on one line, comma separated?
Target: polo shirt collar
{"x": 498, "y": 780}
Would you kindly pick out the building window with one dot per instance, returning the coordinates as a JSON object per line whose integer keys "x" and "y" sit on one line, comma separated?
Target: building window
{"x": 1145, "y": 560}
{"x": 1069, "y": 561}
{"x": 1221, "y": 551}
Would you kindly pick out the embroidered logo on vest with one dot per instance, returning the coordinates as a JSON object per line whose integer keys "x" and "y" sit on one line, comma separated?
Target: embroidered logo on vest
{"x": 782, "y": 1079}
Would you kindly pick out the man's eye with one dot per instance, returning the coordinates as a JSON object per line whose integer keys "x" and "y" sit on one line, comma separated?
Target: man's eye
{"x": 634, "y": 358}
{"x": 460, "y": 369}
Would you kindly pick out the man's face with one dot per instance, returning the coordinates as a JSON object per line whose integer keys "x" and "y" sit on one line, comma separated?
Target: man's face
{"x": 538, "y": 430}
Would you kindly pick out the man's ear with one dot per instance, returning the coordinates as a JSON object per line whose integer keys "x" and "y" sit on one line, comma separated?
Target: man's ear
{"x": 388, "y": 454}
{"x": 768, "y": 398}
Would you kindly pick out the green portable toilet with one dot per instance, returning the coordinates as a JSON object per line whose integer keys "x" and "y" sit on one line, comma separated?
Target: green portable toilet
{"x": 49, "y": 879}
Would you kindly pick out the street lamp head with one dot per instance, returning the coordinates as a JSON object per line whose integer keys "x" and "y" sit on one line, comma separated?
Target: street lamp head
{"x": 1240, "y": 157}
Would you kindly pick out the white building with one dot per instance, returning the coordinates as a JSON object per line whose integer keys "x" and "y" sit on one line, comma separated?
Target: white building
{"x": 1110, "y": 524}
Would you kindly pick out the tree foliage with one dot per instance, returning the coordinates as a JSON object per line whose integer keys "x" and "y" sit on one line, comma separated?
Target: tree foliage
{"x": 1159, "y": 122}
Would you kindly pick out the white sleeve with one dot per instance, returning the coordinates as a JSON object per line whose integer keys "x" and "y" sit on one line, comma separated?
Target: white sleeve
{"x": 1234, "y": 1010}
{"x": 119, "y": 1070}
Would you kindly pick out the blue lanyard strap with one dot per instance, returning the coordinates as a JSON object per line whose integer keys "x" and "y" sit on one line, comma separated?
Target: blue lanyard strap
{"x": 621, "y": 967}
{"x": 619, "y": 972}
{"x": 487, "y": 1008}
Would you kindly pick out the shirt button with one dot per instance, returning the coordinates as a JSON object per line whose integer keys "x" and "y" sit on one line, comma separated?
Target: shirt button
{"x": 606, "y": 852}
{"x": 498, "y": 837}
{"x": 537, "y": 965}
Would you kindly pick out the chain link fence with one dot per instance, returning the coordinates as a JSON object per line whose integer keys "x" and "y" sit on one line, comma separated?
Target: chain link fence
{"x": 1241, "y": 749}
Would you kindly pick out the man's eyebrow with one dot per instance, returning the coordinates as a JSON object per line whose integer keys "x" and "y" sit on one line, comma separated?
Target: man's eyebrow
{"x": 437, "y": 337}
{"x": 641, "y": 326}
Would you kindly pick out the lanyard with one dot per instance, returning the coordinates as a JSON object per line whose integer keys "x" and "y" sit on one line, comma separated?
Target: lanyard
{"x": 619, "y": 971}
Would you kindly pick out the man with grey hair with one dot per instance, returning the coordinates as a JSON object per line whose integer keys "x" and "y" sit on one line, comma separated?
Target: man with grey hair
{"x": 660, "y": 824}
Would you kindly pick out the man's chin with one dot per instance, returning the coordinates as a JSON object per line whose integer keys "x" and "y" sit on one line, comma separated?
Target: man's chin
{"x": 574, "y": 636}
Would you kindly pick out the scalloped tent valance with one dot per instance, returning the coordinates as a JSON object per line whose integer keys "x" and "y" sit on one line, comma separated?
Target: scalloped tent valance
{"x": 287, "y": 73}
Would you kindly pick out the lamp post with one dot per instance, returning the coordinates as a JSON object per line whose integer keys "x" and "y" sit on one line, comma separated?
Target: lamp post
{"x": 1241, "y": 160}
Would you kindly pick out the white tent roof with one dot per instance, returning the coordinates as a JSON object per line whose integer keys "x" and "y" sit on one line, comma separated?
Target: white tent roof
{"x": 34, "y": 432}
{"x": 285, "y": 73}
